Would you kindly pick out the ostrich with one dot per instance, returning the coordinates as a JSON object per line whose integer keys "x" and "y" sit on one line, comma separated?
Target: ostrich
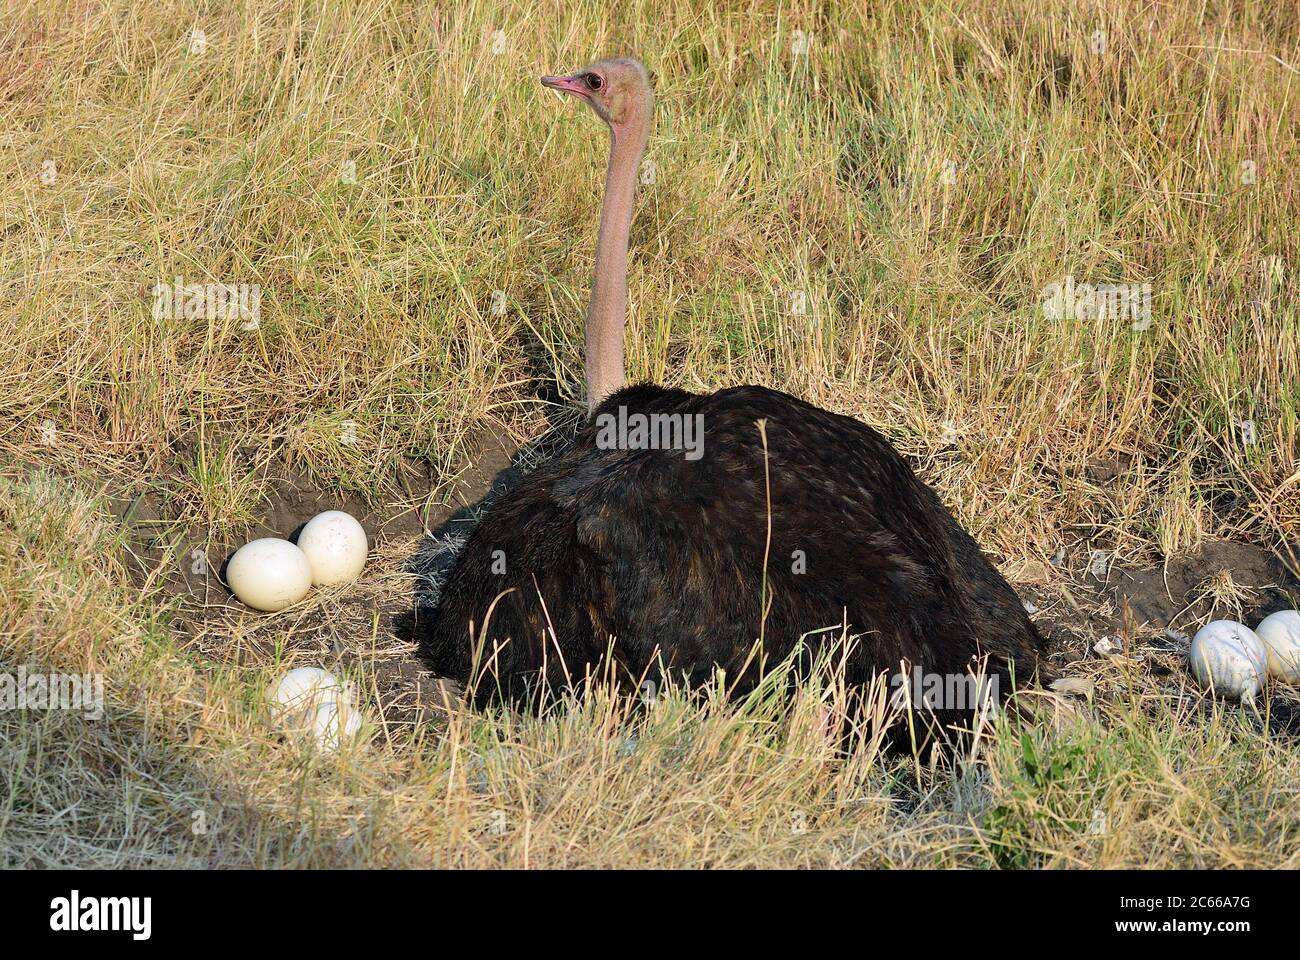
{"x": 777, "y": 524}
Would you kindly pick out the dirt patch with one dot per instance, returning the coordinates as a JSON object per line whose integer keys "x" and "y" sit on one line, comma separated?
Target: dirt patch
{"x": 354, "y": 628}
{"x": 1236, "y": 580}
{"x": 1104, "y": 625}
{"x": 1082, "y": 604}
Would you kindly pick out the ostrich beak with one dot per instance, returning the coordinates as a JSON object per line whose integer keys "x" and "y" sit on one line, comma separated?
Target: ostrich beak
{"x": 567, "y": 85}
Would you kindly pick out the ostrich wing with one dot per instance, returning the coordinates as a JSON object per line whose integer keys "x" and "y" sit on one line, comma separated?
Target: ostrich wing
{"x": 674, "y": 549}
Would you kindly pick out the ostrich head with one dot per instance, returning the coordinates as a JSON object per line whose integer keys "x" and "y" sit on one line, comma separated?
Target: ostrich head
{"x": 619, "y": 92}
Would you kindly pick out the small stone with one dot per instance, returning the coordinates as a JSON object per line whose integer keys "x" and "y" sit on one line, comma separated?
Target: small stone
{"x": 1079, "y": 686}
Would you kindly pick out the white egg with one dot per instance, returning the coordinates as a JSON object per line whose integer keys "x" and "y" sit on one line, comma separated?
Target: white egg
{"x": 1280, "y": 634}
{"x": 335, "y": 545}
{"x": 311, "y": 703}
{"x": 335, "y": 723}
{"x": 304, "y": 689}
{"x": 1227, "y": 657}
{"x": 269, "y": 574}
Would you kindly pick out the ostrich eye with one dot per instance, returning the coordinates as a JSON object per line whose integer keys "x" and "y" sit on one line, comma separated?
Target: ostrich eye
{"x": 594, "y": 81}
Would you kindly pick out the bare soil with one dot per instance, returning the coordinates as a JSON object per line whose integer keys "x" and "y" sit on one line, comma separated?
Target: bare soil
{"x": 363, "y": 628}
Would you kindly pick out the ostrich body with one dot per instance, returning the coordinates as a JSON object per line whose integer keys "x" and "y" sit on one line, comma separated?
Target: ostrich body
{"x": 681, "y": 559}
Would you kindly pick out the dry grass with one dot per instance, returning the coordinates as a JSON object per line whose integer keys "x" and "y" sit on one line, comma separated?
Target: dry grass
{"x": 916, "y": 178}
{"x": 184, "y": 769}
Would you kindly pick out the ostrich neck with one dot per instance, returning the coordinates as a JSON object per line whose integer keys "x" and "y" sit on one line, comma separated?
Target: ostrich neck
{"x": 608, "y": 309}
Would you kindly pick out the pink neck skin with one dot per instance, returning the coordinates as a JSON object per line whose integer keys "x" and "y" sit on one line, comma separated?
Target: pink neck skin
{"x": 607, "y": 311}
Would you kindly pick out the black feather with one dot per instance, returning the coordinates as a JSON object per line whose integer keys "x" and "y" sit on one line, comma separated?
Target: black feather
{"x": 658, "y": 558}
